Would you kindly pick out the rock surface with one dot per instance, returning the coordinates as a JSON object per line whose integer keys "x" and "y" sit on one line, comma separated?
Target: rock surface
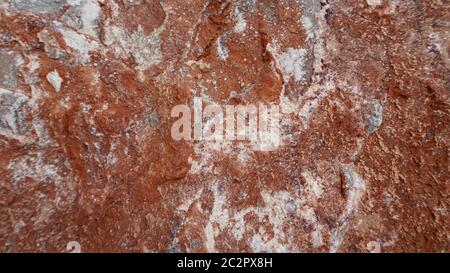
{"x": 86, "y": 92}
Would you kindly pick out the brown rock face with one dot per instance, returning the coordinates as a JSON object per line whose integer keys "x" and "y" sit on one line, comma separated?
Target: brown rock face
{"x": 87, "y": 90}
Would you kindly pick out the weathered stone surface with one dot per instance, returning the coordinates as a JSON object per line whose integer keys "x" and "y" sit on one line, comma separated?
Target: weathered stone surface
{"x": 86, "y": 93}
{"x": 39, "y": 6}
{"x": 11, "y": 62}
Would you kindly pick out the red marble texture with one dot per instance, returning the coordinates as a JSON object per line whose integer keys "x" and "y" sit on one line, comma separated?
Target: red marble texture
{"x": 86, "y": 90}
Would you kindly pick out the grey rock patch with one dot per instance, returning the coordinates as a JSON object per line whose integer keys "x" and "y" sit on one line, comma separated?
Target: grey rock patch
{"x": 14, "y": 112}
{"x": 311, "y": 11}
{"x": 6, "y": 37}
{"x": 248, "y": 6}
{"x": 376, "y": 117}
{"x": 10, "y": 61}
{"x": 72, "y": 17}
{"x": 154, "y": 121}
{"x": 39, "y": 6}
{"x": 84, "y": 16}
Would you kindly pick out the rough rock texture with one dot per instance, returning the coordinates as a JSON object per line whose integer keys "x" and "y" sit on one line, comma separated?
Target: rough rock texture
{"x": 86, "y": 90}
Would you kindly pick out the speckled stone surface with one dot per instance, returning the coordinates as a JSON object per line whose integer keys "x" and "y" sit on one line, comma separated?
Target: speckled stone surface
{"x": 86, "y": 152}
